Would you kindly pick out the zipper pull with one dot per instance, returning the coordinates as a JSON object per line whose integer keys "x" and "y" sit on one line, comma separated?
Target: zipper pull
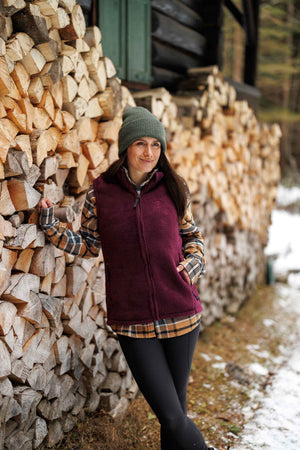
{"x": 137, "y": 198}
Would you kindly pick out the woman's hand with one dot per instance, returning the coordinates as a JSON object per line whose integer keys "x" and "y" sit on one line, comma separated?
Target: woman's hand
{"x": 181, "y": 268}
{"x": 45, "y": 203}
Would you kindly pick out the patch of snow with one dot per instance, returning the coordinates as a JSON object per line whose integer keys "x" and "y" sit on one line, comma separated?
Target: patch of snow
{"x": 220, "y": 366}
{"x": 192, "y": 414}
{"x": 284, "y": 238}
{"x": 276, "y": 425}
{"x": 269, "y": 322}
{"x": 205, "y": 356}
{"x": 287, "y": 196}
{"x": 284, "y": 241}
{"x": 258, "y": 369}
{"x": 294, "y": 280}
{"x": 273, "y": 419}
{"x": 255, "y": 349}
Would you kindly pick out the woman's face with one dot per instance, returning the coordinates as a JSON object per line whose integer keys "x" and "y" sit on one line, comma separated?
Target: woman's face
{"x": 142, "y": 156}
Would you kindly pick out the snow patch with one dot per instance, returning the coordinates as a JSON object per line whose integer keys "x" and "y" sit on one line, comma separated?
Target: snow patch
{"x": 220, "y": 366}
{"x": 258, "y": 369}
{"x": 287, "y": 196}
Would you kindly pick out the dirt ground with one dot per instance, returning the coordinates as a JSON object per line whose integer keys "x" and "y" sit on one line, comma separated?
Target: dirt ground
{"x": 220, "y": 385}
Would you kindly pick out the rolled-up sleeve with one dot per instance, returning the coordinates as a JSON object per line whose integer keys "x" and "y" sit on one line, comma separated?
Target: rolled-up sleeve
{"x": 86, "y": 241}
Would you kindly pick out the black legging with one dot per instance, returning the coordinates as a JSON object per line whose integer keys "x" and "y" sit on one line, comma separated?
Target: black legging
{"x": 161, "y": 369}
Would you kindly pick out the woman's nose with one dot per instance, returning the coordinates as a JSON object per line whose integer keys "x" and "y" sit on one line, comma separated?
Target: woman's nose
{"x": 148, "y": 150}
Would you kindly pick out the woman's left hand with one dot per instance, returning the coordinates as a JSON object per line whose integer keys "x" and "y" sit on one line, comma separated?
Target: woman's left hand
{"x": 180, "y": 268}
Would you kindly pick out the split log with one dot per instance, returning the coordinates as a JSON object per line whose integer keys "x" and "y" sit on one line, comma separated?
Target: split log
{"x": 69, "y": 142}
{"x": 76, "y": 29}
{"x": 49, "y": 167}
{"x": 22, "y": 195}
{"x": 32, "y": 310}
{"x": 24, "y": 260}
{"x": 8, "y": 312}
{"x": 28, "y": 110}
{"x": 33, "y": 62}
{"x": 78, "y": 107}
{"x": 43, "y": 261}
{"x": 49, "y": 50}
{"x": 5, "y": 79}
{"x": 36, "y": 90}
{"x": 92, "y": 36}
{"x": 60, "y": 19}
{"x": 20, "y": 286}
{"x": 108, "y": 131}
{"x": 21, "y": 78}
{"x": 16, "y": 164}
{"x": 59, "y": 289}
{"x": 76, "y": 276}
{"x": 95, "y": 152}
{"x": 86, "y": 129}
{"x": 70, "y": 89}
{"x": 77, "y": 175}
{"x": 26, "y": 20}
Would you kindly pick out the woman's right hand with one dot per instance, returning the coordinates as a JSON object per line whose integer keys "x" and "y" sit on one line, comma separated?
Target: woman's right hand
{"x": 45, "y": 203}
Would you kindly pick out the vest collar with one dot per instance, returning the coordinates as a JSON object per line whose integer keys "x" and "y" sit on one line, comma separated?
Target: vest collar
{"x": 151, "y": 181}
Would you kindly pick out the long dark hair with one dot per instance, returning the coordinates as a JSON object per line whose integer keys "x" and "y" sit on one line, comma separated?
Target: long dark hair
{"x": 175, "y": 184}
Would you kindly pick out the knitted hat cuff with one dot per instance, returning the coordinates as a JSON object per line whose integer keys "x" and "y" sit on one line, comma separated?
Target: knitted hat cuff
{"x": 139, "y": 122}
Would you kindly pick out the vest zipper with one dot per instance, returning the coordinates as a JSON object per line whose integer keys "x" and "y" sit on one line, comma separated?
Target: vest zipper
{"x": 145, "y": 254}
{"x": 137, "y": 197}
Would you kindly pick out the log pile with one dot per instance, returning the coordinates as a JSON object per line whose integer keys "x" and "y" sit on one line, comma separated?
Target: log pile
{"x": 60, "y": 112}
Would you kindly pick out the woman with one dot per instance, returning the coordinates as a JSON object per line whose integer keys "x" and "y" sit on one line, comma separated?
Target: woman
{"x": 139, "y": 212}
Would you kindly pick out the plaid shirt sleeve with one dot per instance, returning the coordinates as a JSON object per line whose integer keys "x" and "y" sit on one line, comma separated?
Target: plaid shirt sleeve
{"x": 86, "y": 241}
{"x": 192, "y": 246}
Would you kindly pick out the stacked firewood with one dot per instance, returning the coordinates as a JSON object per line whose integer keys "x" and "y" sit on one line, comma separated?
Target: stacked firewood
{"x": 60, "y": 112}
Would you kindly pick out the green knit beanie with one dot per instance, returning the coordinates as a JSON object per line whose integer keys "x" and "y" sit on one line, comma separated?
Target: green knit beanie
{"x": 138, "y": 122}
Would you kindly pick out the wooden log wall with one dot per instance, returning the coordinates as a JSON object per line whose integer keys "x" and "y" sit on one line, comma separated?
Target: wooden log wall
{"x": 60, "y": 112}
{"x": 177, "y": 40}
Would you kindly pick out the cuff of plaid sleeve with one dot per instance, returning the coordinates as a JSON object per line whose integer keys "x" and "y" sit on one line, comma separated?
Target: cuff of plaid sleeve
{"x": 193, "y": 267}
{"x": 47, "y": 218}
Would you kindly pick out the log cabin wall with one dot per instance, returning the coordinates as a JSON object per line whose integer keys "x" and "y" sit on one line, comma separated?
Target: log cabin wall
{"x": 178, "y": 42}
{"x": 60, "y": 112}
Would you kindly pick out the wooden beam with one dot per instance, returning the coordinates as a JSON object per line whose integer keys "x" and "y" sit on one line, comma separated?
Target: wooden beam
{"x": 172, "y": 58}
{"x": 172, "y": 32}
{"x": 252, "y": 25}
{"x": 237, "y": 14}
{"x": 196, "y": 5}
{"x": 250, "y": 22}
{"x": 180, "y": 12}
{"x": 212, "y": 14}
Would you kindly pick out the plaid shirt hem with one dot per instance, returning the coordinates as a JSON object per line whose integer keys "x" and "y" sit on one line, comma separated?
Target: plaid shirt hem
{"x": 161, "y": 329}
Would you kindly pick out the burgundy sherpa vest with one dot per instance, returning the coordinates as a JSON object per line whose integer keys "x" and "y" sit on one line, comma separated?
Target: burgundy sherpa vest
{"x": 142, "y": 248}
